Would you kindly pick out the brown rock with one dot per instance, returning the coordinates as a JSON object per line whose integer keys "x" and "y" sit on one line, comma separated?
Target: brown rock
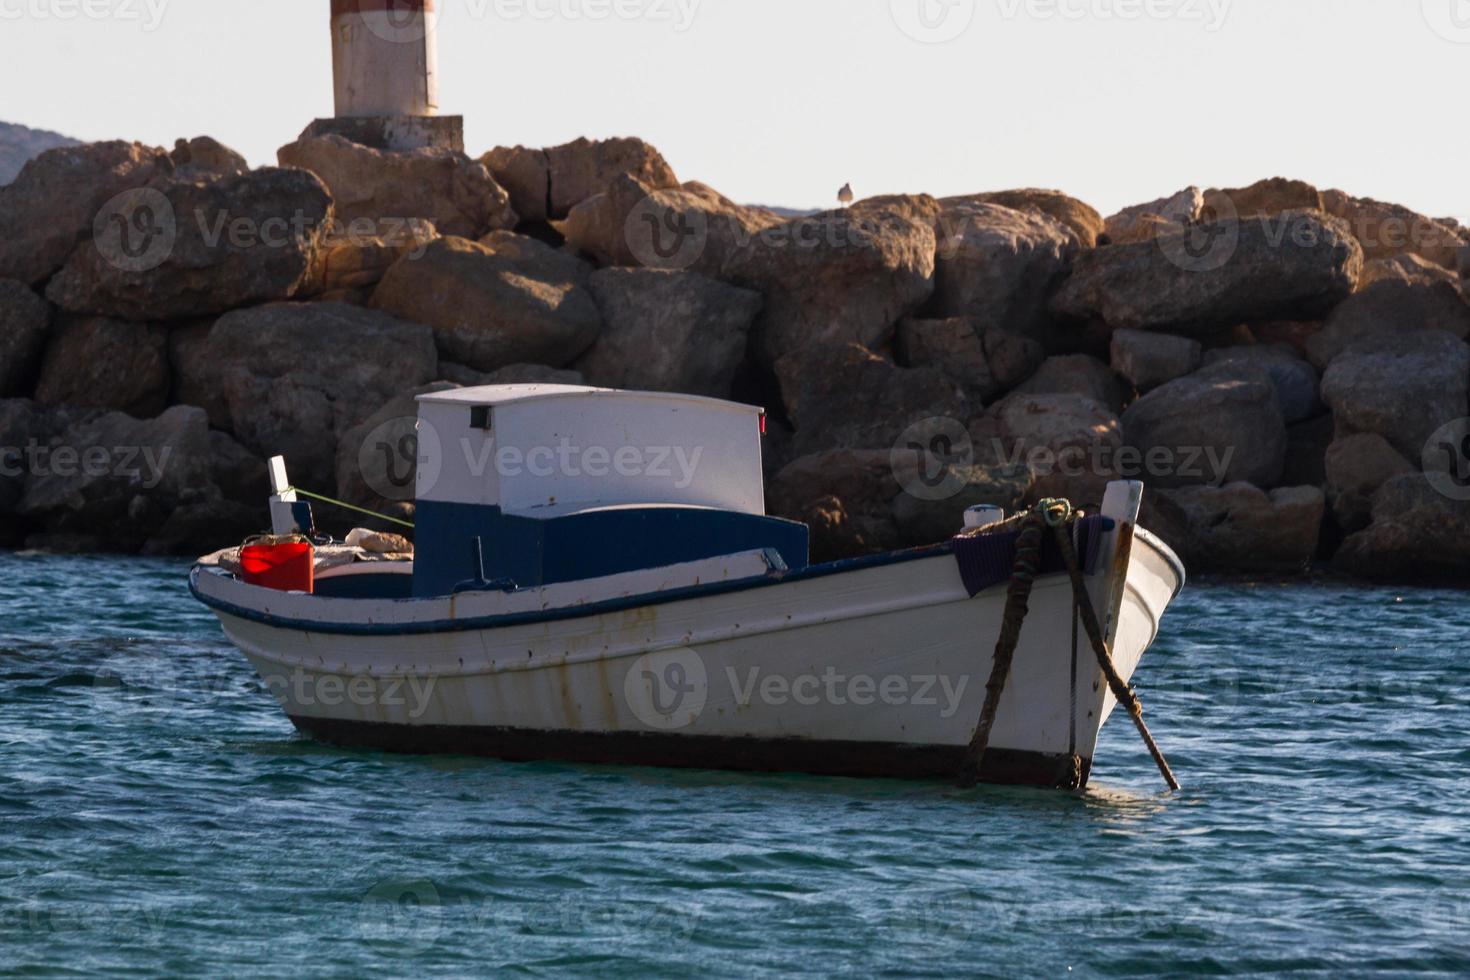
{"x": 668, "y": 331}
{"x": 1389, "y": 309}
{"x": 1389, "y": 230}
{"x": 1288, "y": 333}
{"x": 212, "y": 246}
{"x": 377, "y": 461}
{"x": 1077, "y": 374}
{"x": 1069, "y": 443}
{"x": 844, "y": 276}
{"x": 150, "y": 480}
{"x": 1298, "y": 387}
{"x": 693, "y": 228}
{"x": 986, "y": 362}
{"x": 511, "y": 374}
{"x": 95, "y": 362}
{"x": 1151, "y": 359}
{"x": 855, "y": 503}
{"x": 52, "y": 206}
{"x": 582, "y": 168}
{"x": 455, "y": 193}
{"x": 525, "y": 174}
{"x": 1204, "y": 429}
{"x": 348, "y": 262}
{"x": 1144, "y": 222}
{"x": 1085, "y": 223}
{"x": 490, "y": 306}
{"x": 293, "y": 376}
{"x": 1417, "y": 534}
{"x": 997, "y": 264}
{"x": 1297, "y": 265}
{"x": 1265, "y": 197}
{"x": 1356, "y": 467}
{"x": 1240, "y": 528}
{"x": 24, "y": 321}
{"x": 847, "y": 397}
{"x": 194, "y": 373}
{"x": 1401, "y": 387}
{"x": 1407, "y": 268}
{"x": 206, "y": 158}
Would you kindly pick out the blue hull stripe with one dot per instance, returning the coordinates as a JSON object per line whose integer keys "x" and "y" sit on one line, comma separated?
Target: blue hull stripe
{"x": 572, "y": 612}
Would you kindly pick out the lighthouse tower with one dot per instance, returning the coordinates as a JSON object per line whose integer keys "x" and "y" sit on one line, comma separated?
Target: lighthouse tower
{"x": 385, "y": 77}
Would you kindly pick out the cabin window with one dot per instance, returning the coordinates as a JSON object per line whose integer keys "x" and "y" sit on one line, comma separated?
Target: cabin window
{"x": 480, "y": 417}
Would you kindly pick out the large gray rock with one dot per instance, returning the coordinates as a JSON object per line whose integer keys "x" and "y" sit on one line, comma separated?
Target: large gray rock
{"x": 210, "y": 246}
{"x": 1151, "y": 359}
{"x": 986, "y": 361}
{"x": 1077, "y": 374}
{"x": 843, "y": 276}
{"x": 997, "y": 264}
{"x": 1391, "y": 308}
{"x": 690, "y": 228}
{"x": 113, "y": 482}
{"x": 668, "y": 331}
{"x": 1241, "y": 528}
{"x": 515, "y": 301}
{"x": 1417, "y": 534}
{"x": 1401, "y": 387}
{"x": 24, "y": 320}
{"x": 1356, "y": 467}
{"x": 294, "y": 376}
{"x": 1205, "y": 429}
{"x": 447, "y": 188}
{"x": 583, "y": 167}
{"x": 847, "y": 397}
{"x": 1296, "y": 265}
{"x": 52, "y": 206}
{"x": 96, "y": 362}
{"x": 27, "y": 430}
{"x": 1298, "y": 387}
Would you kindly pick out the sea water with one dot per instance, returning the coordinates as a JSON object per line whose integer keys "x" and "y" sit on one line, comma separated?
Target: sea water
{"x": 158, "y": 815}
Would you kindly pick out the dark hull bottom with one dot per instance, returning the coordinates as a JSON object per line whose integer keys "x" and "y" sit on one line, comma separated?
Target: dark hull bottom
{"x": 826, "y": 758}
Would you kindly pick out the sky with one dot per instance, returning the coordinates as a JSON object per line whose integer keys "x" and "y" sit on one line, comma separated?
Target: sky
{"x": 782, "y": 101}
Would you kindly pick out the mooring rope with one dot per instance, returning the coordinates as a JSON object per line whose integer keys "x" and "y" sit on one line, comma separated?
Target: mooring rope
{"x": 1093, "y": 628}
{"x": 1061, "y": 517}
{"x": 1024, "y": 569}
{"x": 343, "y": 503}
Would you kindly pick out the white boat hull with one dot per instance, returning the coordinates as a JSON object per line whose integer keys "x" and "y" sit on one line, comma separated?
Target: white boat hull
{"x": 874, "y": 669}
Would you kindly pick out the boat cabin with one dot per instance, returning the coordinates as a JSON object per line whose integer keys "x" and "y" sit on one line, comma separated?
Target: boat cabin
{"x": 530, "y": 485}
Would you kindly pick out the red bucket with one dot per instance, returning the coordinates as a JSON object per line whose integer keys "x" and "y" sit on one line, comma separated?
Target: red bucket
{"x": 286, "y": 567}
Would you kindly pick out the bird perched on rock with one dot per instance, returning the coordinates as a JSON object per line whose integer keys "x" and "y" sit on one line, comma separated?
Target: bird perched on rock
{"x": 845, "y": 195}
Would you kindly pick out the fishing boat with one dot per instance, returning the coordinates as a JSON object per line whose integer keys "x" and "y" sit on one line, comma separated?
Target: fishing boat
{"x": 595, "y": 579}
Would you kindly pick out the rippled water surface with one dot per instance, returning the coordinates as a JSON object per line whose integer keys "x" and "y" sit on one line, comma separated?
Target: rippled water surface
{"x": 159, "y": 815}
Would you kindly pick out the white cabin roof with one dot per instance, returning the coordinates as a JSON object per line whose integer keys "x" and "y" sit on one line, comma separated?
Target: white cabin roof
{"x": 494, "y": 395}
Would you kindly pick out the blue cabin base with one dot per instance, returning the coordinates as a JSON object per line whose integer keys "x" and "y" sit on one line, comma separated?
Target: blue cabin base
{"x": 531, "y": 552}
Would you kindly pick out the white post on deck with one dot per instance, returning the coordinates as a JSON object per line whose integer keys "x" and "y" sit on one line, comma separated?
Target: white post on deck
{"x": 282, "y": 497}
